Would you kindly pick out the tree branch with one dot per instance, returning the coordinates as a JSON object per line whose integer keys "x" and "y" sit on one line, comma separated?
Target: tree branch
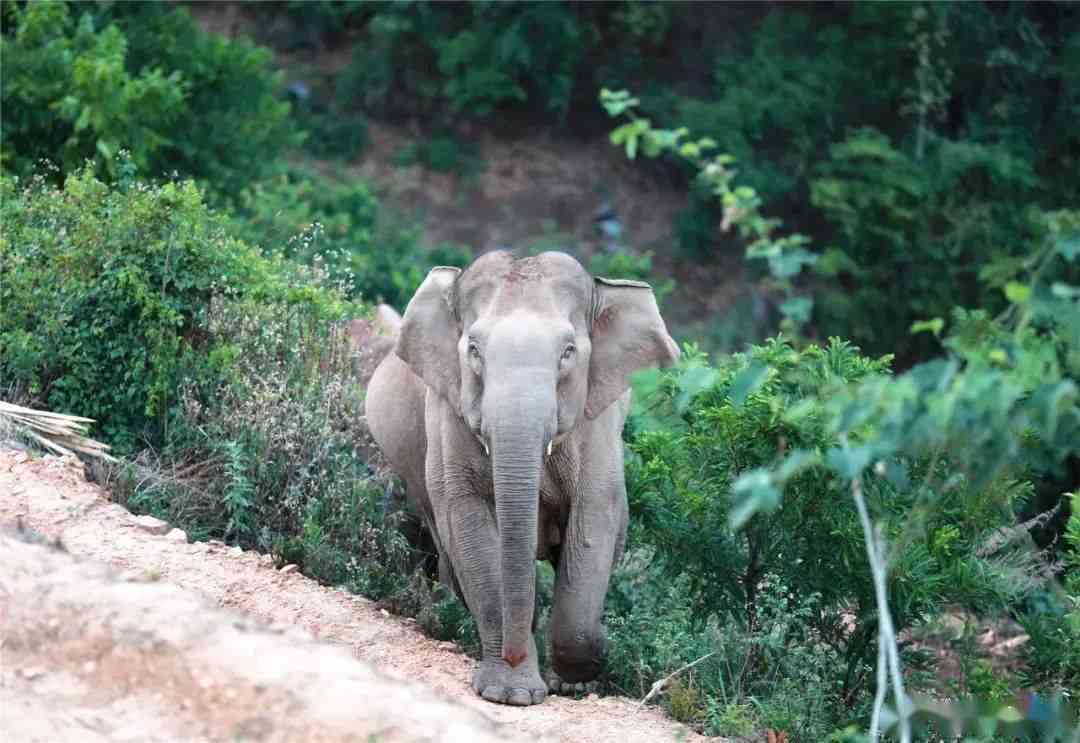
{"x": 659, "y": 686}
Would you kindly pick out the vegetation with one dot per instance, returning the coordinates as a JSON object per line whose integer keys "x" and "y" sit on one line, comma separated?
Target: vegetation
{"x": 1003, "y": 403}
{"x": 86, "y": 82}
{"x": 341, "y": 227}
{"x": 805, "y": 514}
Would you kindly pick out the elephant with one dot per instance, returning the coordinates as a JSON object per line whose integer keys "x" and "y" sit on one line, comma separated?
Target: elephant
{"x": 502, "y": 409}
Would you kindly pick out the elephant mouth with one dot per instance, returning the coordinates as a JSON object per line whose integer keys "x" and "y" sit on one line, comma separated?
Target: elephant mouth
{"x": 547, "y": 452}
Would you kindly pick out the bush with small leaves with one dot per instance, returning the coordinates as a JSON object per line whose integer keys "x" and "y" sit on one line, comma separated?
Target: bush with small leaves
{"x": 106, "y": 293}
{"x": 339, "y": 226}
{"x": 83, "y": 81}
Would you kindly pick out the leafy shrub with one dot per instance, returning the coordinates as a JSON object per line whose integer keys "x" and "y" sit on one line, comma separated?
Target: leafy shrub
{"x": 331, "y": 133}
{"x": 226, "y": 374}
{"x": 897, "y": 217}
{"x": 315, "y": 219}
{"x": 1004, "y": 403}
{"x": 474, "y": 58}
{"x": 142, "y": 77}
{"x": 915, "y": 184}
{"x": 623, "y": 265}
{"x": 444, "y": 61}
{"x": 805, "y": 562}
{"x": 443, "y": 155}
{"x": 781, "y": 94}
{"x": 105, "y": 292}
{"x": 271, "y": 457}
{"x": 1053, "y": 652}
{"x": 67, "y": 94}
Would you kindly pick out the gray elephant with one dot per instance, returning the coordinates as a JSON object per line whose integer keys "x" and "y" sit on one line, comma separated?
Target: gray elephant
{"x": 502, "y": 409}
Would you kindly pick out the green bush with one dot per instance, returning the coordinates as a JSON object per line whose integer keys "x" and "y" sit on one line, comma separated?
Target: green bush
{"x": 906, "y": 140}
{"x": 785, "y": 91}
{"x": 85, "y": 81}
{"x": 224, "y": 373}
{"x": 444, "y": 61}
{"x": 270, "y": 456}
{"x": 1053, "y": 652}
{"x": 68, "y": 95}
{"x": 622, "y": 265}
{"x": 443, "y": 155}
{"x": 918, "y": 236}
{"x": 105, "y": 293}
{"x": 1002, "y": 404}
{"x": 473, "y": 59}
{"x": 319, "y": 220}
{"x": 792, "y": 591}
{"x": 331, "y": 133}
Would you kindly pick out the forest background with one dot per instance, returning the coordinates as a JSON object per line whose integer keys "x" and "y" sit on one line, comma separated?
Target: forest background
{"x": 860, "y": 218}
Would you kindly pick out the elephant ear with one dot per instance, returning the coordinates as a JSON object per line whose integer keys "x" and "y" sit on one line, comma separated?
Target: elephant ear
{"x": 627, "y": 334}
{"x": 429, "y": 333}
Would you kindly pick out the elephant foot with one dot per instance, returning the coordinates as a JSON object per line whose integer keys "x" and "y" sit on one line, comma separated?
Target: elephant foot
{"x": 497, "y": 682}
{"x": 556, "y": 685}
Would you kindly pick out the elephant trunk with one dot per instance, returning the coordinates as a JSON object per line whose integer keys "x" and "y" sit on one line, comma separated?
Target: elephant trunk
{"x": 519, "y": 438}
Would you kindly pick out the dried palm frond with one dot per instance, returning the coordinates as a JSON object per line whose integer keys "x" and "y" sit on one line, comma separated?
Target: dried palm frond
{"x": 63, "y": 434}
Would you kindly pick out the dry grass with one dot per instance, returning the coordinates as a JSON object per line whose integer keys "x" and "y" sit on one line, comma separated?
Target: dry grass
{"x": 58, "y": 433}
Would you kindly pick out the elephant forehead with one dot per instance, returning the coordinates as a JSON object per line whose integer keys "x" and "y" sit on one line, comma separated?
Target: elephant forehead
{"x": 539, "y": 296}
{"x": 551, "y": 282}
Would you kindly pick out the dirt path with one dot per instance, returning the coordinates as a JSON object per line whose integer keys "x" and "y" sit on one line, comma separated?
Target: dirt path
{"x": 198, "y": 675}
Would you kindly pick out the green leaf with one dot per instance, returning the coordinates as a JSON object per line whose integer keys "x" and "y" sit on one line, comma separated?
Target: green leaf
{"x": 107, "y": 150}
{"x": 896, "y": 472}
{"x": 690, "y": 149}
{"x": 748, "y": 381}
{"x": 797, "y": 309}
{"x": 754, "y": 493}
{"x": 1063, "y": 391}
{"x": 1009, "y": 713}
{"x": 790, "y": 263}
{"x": 935, "y": 326}
{"x": 848, "y": 462}
{"x": 693, "y": 381}
{"x": 1017, "y": 293}
{"x": 617, "y": 102}
{"x": 622, "y": 133}
{"x": 1068, "y": 246}
{"x": 1064, "y": 291}
{"x": 834, "y": 262}
{"x": 801, "y": 410}
{"x": 795, "y": 462}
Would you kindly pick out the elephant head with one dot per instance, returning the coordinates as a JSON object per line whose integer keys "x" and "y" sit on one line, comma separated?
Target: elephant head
{"x": 524, "y": 350}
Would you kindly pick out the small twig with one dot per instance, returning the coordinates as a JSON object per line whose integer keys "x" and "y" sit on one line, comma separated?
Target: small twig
{"x": 662, "y": 683}
{"x": 888, "y": 655}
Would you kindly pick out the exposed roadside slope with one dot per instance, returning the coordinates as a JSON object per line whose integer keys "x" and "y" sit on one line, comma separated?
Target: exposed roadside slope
{"x": 108, "y": 660}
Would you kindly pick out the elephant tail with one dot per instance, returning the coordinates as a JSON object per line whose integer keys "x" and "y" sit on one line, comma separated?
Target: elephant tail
{"x": 373, "y": 340}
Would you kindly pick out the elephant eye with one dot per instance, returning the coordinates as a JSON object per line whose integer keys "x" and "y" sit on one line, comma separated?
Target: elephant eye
{"x": 569, "y": 352}
{"x": 474, "y": 351}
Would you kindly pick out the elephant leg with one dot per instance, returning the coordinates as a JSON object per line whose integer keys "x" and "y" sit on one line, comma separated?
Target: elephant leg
{"x": 594, "y": 531}
{"x": 416, "y": 523}
{"x": 473, "y": 548}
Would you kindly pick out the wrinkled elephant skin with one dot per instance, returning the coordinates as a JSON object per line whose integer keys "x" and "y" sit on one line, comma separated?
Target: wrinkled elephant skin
{"x": 502, "y": 410}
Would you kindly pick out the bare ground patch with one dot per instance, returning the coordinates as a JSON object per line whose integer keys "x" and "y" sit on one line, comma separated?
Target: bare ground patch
{"x": 95, "y": 654}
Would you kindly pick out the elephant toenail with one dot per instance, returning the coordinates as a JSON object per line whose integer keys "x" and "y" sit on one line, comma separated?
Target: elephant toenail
{"x": 519, "y": 697}
{"x": 494, "y": 694}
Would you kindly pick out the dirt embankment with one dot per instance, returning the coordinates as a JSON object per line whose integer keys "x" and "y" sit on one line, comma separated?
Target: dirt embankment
{"x": 120, "y": 641}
